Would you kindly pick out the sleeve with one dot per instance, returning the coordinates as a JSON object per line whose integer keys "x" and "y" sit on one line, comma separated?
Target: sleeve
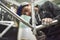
{"x": 39, "y": 22}
{"x": 46, "y": 10}
{"x": 52, "y": 10}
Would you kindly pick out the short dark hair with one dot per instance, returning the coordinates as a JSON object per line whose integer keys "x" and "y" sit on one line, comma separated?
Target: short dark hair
{"x": 19, "y": 10}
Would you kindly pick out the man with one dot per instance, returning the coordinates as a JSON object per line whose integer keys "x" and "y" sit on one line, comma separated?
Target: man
{"x": 49, "y": 12}
{"x": 24, "y": 32}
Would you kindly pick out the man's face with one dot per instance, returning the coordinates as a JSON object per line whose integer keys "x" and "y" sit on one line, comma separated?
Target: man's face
{"x": 27, "y": 10}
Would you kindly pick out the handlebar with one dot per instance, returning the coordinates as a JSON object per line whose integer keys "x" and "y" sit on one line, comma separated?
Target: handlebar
{"x": 43, "y": 26}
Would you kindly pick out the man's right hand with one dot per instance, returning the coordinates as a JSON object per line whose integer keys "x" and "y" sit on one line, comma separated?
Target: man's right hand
{"x": 47, "y": 21}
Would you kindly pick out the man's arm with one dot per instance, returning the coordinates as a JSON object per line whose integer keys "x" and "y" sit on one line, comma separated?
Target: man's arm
{"x": 51, "y": 11}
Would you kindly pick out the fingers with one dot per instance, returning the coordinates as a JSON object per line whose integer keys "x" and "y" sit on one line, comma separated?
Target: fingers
{"x": 47, "y": 21}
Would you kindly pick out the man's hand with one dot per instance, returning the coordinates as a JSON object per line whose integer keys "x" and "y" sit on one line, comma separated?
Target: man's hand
{"x": 47, "y": 21}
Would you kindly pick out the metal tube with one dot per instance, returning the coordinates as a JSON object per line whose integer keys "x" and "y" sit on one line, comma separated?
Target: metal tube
{"x": 15, "y": 15}
{"x": 9, "y": 26}
{"x": 44, "y": 26}
{"x": 33, "y": 17}
{"x": 19, "y": 18}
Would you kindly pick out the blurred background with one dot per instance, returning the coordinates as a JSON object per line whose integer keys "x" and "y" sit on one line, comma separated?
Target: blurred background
{"x": 5, "y": 16}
